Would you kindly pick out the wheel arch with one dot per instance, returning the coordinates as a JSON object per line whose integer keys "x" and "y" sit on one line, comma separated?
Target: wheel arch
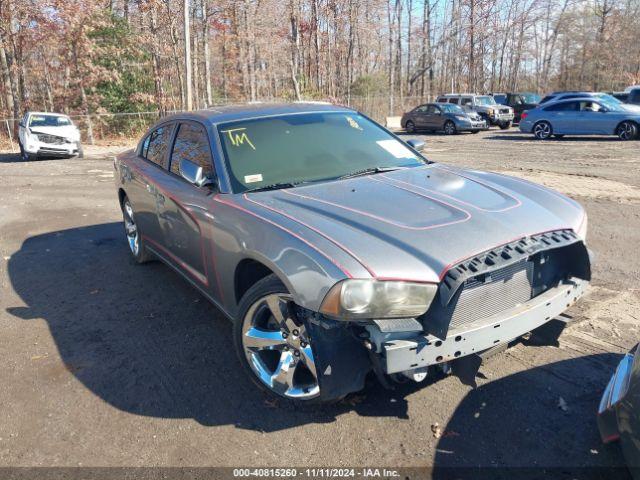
{"x": 253, "y": 268}
{"x": 121, "y": 195}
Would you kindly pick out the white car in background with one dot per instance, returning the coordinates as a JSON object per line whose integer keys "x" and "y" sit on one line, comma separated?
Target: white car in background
{"x": 50, "y": 134}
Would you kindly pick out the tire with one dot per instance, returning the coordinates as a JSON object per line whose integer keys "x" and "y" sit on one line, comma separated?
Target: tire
{"x": 410, "y": 127}
{"x": 24, "y": 156}
{"x": 273, "y": 346}
{"x": 505, "y": 125}
{"x": 450, "y": 128}
{"x": 137, "y": 247}
{"x": 542, "y": 130}
{"x": 627, "y": 131}
{"x": 80, "y": 151}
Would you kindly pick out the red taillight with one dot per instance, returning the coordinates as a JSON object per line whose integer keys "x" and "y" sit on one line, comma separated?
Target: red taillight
{"x": 523, "y": 115}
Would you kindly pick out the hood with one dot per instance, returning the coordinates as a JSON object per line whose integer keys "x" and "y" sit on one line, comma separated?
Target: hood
{"x": 67, "y": 131}
{"x": 414, "y": 223}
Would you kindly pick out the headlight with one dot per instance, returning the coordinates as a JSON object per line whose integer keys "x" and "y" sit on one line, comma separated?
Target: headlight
{"x": 362, "y": 299}
{"x": 582, "y": 229}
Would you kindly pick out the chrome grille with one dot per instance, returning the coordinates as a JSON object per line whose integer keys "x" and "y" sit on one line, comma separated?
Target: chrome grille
{"x": 485, "y": 295}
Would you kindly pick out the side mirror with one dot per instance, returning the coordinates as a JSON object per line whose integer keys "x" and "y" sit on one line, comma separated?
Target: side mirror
{"x": 416, "y": 144}
{"x": 193, "y": 173}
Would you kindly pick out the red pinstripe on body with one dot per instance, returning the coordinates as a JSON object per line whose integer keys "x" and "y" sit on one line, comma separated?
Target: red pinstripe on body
{"x": 312, "y": 228}
{"x": 293, "y": 234}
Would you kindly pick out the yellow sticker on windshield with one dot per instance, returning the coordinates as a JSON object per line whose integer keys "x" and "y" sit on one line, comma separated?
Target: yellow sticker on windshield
{"x": 353, "y": 123}
{"x": 238, "y": 136}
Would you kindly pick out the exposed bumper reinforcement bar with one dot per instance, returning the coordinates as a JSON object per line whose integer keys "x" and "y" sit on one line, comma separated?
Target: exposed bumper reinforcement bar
{"x": 424, "y": 350}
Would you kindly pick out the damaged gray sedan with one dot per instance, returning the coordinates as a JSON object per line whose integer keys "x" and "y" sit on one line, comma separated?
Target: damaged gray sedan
{"x": 338, "y": 250}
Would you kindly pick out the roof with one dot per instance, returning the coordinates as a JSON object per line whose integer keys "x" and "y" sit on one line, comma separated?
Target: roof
{"x": 230, "y": 113}
{"x": 462, "y": 95}
{"x": 49, "y": 113}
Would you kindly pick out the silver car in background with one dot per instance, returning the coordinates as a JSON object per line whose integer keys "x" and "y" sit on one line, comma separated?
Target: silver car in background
{"x": 337, "y": 249}
{"x": 581, "y": 116}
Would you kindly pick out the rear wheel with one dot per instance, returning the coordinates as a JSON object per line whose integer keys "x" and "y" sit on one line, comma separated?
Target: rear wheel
{"x": 504, "y": 125}
{"x": 627, "y": 131}
{"x": 273, "y": 345}
{"x": 449, "y": 128}
{"x": 134, "y": 237}
{"x": 410, "y": 127}
{"x": 542, "y": 130}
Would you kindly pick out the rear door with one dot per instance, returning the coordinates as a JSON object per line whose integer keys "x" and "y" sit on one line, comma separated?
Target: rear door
{"x": 183, "y": 208}
{"x": 419, "y": 116}
{"x": 563, "y": 116}
{"x": 151, "y": 164}
{"x": 433, "y": 117}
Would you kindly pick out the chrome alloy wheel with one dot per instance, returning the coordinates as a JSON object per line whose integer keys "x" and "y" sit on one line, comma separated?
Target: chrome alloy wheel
{"x": 542, "y": 130}
{"x": 131, "y": 228}
{"x": 278, "y": 348}
{"x": 449, "y": 128}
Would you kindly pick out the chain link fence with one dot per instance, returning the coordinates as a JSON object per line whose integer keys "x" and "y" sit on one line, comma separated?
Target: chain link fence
{"x": 125, "y": 128}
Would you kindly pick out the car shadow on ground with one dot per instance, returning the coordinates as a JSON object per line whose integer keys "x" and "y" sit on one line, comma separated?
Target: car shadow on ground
{"x": 428, "y": 134}
{"x": 502, "y": 425}
{"x": 143, "y": 340}
{"x": 10, "y": 157}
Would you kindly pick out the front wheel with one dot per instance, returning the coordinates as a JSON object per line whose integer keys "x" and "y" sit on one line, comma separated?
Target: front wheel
{"x": 542, "y": 130}
{"x": 410, "y": 127}
{"x": 449, "y": 128}
{"x": 24, "y": 156}
{"x": 627, "y": 131}
{"x": 505, "y": 125}
{"x": 273, "y": 344}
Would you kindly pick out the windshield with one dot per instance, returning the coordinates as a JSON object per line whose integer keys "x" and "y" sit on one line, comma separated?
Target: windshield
{"x": 450, "y": 108}
{"x": 306, "y": 148}
{"x": 48, "y": 121}
{"x": 611, "y": 105}
{"x": 605, "y": 97}
{"x": 530, "y": 98}
{"x": 485, "y": 100}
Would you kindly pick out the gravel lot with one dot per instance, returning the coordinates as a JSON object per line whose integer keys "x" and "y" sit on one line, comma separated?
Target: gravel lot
{"x": 110, "y": 364}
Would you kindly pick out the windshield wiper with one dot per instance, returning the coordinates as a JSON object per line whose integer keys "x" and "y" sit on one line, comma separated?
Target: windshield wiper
{"x": 367, "y": 171}
{"x": 273, "y": 186}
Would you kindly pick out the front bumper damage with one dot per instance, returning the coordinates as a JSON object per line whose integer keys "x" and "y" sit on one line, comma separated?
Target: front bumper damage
{"x": 557, "y": 268}
{"x": 423, "y": 350}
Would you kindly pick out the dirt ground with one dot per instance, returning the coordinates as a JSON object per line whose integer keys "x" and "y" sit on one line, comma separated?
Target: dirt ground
{"x": 109, "y": 364}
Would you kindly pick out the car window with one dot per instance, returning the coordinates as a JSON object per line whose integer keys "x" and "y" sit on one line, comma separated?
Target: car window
{"x": 421, "y": 109}
{"x": 49, "y": 121}
{"x": 634, "y": 96}
{"x": 466, "y": 101}
{"x": 485, "y": 100}
{"x": 500, "y": 99}
{"x": 586, "y": 106}
{"x": 453, "y": 100}
{"x": 192, "y": 143}
{"x": 158, "y": 144}
{"x": 432, "y": 109}
{"x": 441, "y": 100}
{"x": 563, "y": 107}
{"x": 447, "y": 107}
{"x": 308, "y": 147}
{"x": 547, "y": 98}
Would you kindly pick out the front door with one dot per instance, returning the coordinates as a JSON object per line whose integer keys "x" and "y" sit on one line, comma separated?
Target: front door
{"x": 183, "y": 207}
